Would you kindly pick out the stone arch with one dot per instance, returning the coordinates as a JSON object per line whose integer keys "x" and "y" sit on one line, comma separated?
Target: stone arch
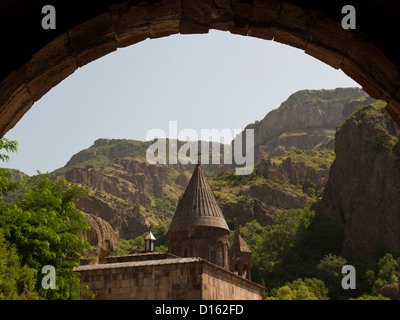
{"x": 88, "y": 32}
{"x": 246, "y": 271}
{"x": 101, "y": 237}
{"x": 91, "y": 236}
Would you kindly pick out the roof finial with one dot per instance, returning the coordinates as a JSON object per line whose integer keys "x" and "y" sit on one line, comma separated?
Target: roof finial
{"x": 198, "y": 159}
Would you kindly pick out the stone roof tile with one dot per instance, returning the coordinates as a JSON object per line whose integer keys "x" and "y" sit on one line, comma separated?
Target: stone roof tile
{"x": 198, "y": 206}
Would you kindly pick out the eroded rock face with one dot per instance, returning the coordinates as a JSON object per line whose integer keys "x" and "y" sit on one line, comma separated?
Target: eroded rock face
{"x": 260, "y": 202}
{"x": 306, "y": 120}
{"x": 128, "y": 179}
{"x": 247, "y": 210}
{"x": 101, "y": 237}
{"x": 362, "y": 192}
{"x": 292, "y": 173}
{"x": 127, "y": 222}
{"x": 308, "y": 108}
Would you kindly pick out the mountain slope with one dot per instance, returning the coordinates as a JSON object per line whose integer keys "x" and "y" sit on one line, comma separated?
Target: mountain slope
{"x": 306, "y": 120}
{"x": 294, "y": 151}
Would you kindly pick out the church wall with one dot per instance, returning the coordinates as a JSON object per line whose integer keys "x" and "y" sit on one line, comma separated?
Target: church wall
{"x": 217, "y": 284}
{"x": 151, "y": 282}
{"x": 178, "y": 279}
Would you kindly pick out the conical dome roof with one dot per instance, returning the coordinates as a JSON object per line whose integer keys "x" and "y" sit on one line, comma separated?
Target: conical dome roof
{"x": 198, "y": 206}
{"x": 239, "y": 245}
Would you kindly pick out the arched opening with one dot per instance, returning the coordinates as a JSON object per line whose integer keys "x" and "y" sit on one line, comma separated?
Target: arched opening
{"x": 314, "y": 28}
{"x": 291, "y": 25}
{"x": 91, "y": 237}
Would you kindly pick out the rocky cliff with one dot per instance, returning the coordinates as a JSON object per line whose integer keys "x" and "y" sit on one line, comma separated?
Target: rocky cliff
{"x": 363, "y": 187}
{"x": 306, "y": 120}
{"x": 294, "y": 151}
{"x": 122, "y": 193}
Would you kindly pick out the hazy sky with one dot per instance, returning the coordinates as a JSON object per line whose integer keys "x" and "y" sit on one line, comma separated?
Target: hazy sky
{"x": 217, "y": 80}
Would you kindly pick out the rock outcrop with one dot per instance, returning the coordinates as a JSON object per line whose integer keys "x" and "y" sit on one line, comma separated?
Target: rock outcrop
{"x": 391, "y": 291}
{"x": 294, "y": 145}
{"x": 128, "y": 178}
{"x": 119, "y": 191}
{"x": 363, "y": 187}
{"x": 127, "y": 221}
{"x": 306, "y": 119}
{"x": 293, "y": 173}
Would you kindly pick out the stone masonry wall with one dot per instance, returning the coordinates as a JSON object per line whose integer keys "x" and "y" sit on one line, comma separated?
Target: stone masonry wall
{"x": 167, "y": 279}
{"x": 218, "y": 285}
{"x": 144, "y": 282}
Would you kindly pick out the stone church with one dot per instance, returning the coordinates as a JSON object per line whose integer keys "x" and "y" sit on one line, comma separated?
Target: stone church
{"x": 198, "y": 265}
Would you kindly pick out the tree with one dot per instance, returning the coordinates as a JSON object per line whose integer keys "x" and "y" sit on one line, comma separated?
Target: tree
{"x": 46, "y": 229}
{"x": 9, "y": 146}
{"x": 370, "y": 297}
{"x": 386, "y": 271}
{"x": 329, "y": 270}
{"x": 308, "y": 188}
{"x": 307, "y": 289}
{"x": 274, "y": 256}
{"x": 16, "y": 282}
{"x": 314, "y": 285}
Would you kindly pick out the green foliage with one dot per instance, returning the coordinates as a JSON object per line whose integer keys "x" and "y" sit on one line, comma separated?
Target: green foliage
{"x": 16, "y": 282}
{"x": 165, "y": 207}
{"x": 301, "y": 289}
{"x": 321, "y": 97}
{"x": 124, "y": 246}
{"x": 370, "y": 297}
{"x": 286, "y": 293}
{"x": 291, "y": 248}
{"x": 385, "y": 272}
{"x": 329, "y": 270}
{"x": 301, "y": 257}
{"x": 316, "y": 158}
{"x": 274, "y": 256}
{"x": 382, "y": 140}
{"x": 9, "y": 146}
{"x": 231, "y": 179}
{"x": 160, "y": 232}
{"x": 46, "y": 229}
{"x": 252, "y": 232}
{"x": 308, "y": 188}
{"x": 8, "y": 186}
{"x": 320, "y": 238}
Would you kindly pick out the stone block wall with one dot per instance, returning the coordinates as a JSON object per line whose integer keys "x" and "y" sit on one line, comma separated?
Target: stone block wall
{"x": 220, "y": 285}
{"x": 143, "y": 281}
{"x": 166, "y": 279}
